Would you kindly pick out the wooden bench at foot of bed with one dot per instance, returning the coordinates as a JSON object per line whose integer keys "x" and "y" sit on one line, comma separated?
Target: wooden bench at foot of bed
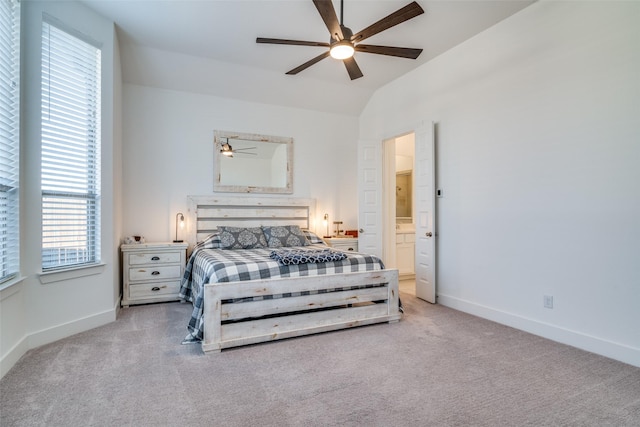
{"x": 273, "y": 319}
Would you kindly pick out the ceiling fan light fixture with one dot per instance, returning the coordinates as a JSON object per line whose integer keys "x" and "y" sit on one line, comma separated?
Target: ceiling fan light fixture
{"x": 342, "y": 50}
{"x": 227, "y": 150}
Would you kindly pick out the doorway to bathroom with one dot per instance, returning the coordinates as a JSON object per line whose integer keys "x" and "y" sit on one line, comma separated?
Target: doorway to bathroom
{"x": 376, "y": 205}
{"x": 399, "y": 195}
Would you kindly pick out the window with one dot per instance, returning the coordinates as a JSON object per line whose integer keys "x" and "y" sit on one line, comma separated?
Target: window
{"x": 9, "y": 137}
{"x": 70, "y": 149}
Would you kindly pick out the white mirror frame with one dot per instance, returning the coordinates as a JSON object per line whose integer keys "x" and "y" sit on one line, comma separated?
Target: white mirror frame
{"x": 221, "y": 137}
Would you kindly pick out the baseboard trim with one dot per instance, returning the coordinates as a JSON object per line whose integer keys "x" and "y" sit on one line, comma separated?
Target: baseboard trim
{"x": 11, "y": 358}
{"x": 612, "y": 350}
{"x": 64, "y": 330}
{"x": 55, "y": 333}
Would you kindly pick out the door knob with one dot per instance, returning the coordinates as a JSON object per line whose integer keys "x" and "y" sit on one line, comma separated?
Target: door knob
{"x": 428, "y": 234}
{"x": 361, "y": 231}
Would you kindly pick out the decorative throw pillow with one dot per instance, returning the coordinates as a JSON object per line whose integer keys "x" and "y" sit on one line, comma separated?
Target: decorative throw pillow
{"x": 284, "y": 235}
{"x": 304, "y": 256}
{"x": 241, "y": 238}
{"x": 312, "y": 237}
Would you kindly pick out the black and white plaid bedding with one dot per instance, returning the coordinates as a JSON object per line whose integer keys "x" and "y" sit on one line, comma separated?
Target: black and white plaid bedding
{"x": 215, "y": 266}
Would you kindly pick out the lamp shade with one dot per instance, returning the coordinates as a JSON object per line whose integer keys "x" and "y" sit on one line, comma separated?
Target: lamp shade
{"x": 325, "y": 222}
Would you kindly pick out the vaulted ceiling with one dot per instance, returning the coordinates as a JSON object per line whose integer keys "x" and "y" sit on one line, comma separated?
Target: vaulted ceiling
{"x": 209, "y": 46}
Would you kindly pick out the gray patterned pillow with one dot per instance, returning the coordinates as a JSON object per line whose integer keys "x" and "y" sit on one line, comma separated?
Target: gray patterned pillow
{"x": 241, "y": 238}
{"x": 284, "y": 236}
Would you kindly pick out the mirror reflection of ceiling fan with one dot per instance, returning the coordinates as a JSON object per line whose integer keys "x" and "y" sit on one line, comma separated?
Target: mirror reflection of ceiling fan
{"x": 227, "y": 149}
{"x": 343, "y": 43}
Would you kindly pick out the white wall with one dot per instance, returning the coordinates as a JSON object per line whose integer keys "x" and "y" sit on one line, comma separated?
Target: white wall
{"x": 538, "y": 146}
{"x": 33, "y": 313}
{"x": 168, "y": 154}
{"x": 234, "y": 171}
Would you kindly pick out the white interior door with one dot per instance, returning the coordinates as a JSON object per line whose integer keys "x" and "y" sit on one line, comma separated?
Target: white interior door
{"x": 370, "y": 197}
{"x": 389, "y": 247}
{"x": 425, "y": 213}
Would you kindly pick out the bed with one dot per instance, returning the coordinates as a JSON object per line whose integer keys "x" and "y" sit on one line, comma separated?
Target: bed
{"x": 250, "y": 295}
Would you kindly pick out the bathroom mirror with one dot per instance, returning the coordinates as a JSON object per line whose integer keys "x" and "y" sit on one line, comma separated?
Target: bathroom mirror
{"x": 404, "y": 191}
{"x": 252, "y": 163}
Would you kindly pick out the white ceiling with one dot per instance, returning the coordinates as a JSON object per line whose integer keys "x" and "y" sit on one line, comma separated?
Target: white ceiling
{"x": 208, "y": 46}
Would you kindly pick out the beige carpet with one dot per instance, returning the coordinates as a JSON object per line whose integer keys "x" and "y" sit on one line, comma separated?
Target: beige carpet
{"x": 436, "y": 367}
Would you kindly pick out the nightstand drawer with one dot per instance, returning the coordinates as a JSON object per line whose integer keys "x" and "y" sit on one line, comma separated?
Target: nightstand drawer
{"x": 154, "y": 257}
{"x": 152, "y": 290}
{"x": 349, "y": 246}
{"x": 342, "y": 243}
{"x": 155, "y": 273}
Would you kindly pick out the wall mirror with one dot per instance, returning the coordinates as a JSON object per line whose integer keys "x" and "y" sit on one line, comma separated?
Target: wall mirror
{"x": 404, "y": 192}
{"x": 252, "y": 163}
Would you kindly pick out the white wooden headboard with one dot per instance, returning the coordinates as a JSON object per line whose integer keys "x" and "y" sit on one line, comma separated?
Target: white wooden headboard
{"x": 206, "y": 213}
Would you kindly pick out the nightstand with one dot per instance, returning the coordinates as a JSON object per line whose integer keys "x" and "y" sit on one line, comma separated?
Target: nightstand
{"x": 151, "y": 272}
{"x": 342, "y": 243}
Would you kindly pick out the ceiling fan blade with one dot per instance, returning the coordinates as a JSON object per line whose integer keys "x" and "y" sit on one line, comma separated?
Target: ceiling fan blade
{"x": 328, "y": 14}
{"x": 411, "y": 10}
{"x": 290, "y": 42}
{"x": 308, "y": 63}
{"x": 352, "y": 68}
{"x": 402, "y": 52}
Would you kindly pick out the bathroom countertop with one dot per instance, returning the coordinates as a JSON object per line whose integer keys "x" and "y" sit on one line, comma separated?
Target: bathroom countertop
{"x": 405, "y": 228}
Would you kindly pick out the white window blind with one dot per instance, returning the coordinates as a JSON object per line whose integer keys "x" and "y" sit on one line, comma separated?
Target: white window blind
{"x": 70, "y": 150}
{"x": 9, "y": 137}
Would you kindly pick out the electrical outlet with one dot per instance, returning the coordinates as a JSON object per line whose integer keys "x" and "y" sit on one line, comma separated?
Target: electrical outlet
{"x": 548, "y": 301}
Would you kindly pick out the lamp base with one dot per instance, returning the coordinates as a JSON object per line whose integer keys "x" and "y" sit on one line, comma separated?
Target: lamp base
{"x": 178, "y": 241}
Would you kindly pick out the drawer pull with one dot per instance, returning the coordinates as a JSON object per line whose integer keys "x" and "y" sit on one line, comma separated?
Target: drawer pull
{"x": 155, "y": 288}
{"x": 155, "y": 258}
{"x": 155, "y": 273}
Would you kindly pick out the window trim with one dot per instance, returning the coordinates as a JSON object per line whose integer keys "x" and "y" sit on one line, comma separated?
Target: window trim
{"x": 93, "y": 193}
{"x": 10, "y": 283}
{"x": 74, "y": 272}
{"x": 10, "y": 256}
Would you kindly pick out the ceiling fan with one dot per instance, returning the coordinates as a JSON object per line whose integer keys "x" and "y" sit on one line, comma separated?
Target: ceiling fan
{"x": 343, "y": 43}
{"x": 227, "y": 150}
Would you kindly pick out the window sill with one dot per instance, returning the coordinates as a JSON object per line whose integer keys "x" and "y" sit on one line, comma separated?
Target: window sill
{"x": 9, "y": 287}
{"x": 71, "y": 273}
